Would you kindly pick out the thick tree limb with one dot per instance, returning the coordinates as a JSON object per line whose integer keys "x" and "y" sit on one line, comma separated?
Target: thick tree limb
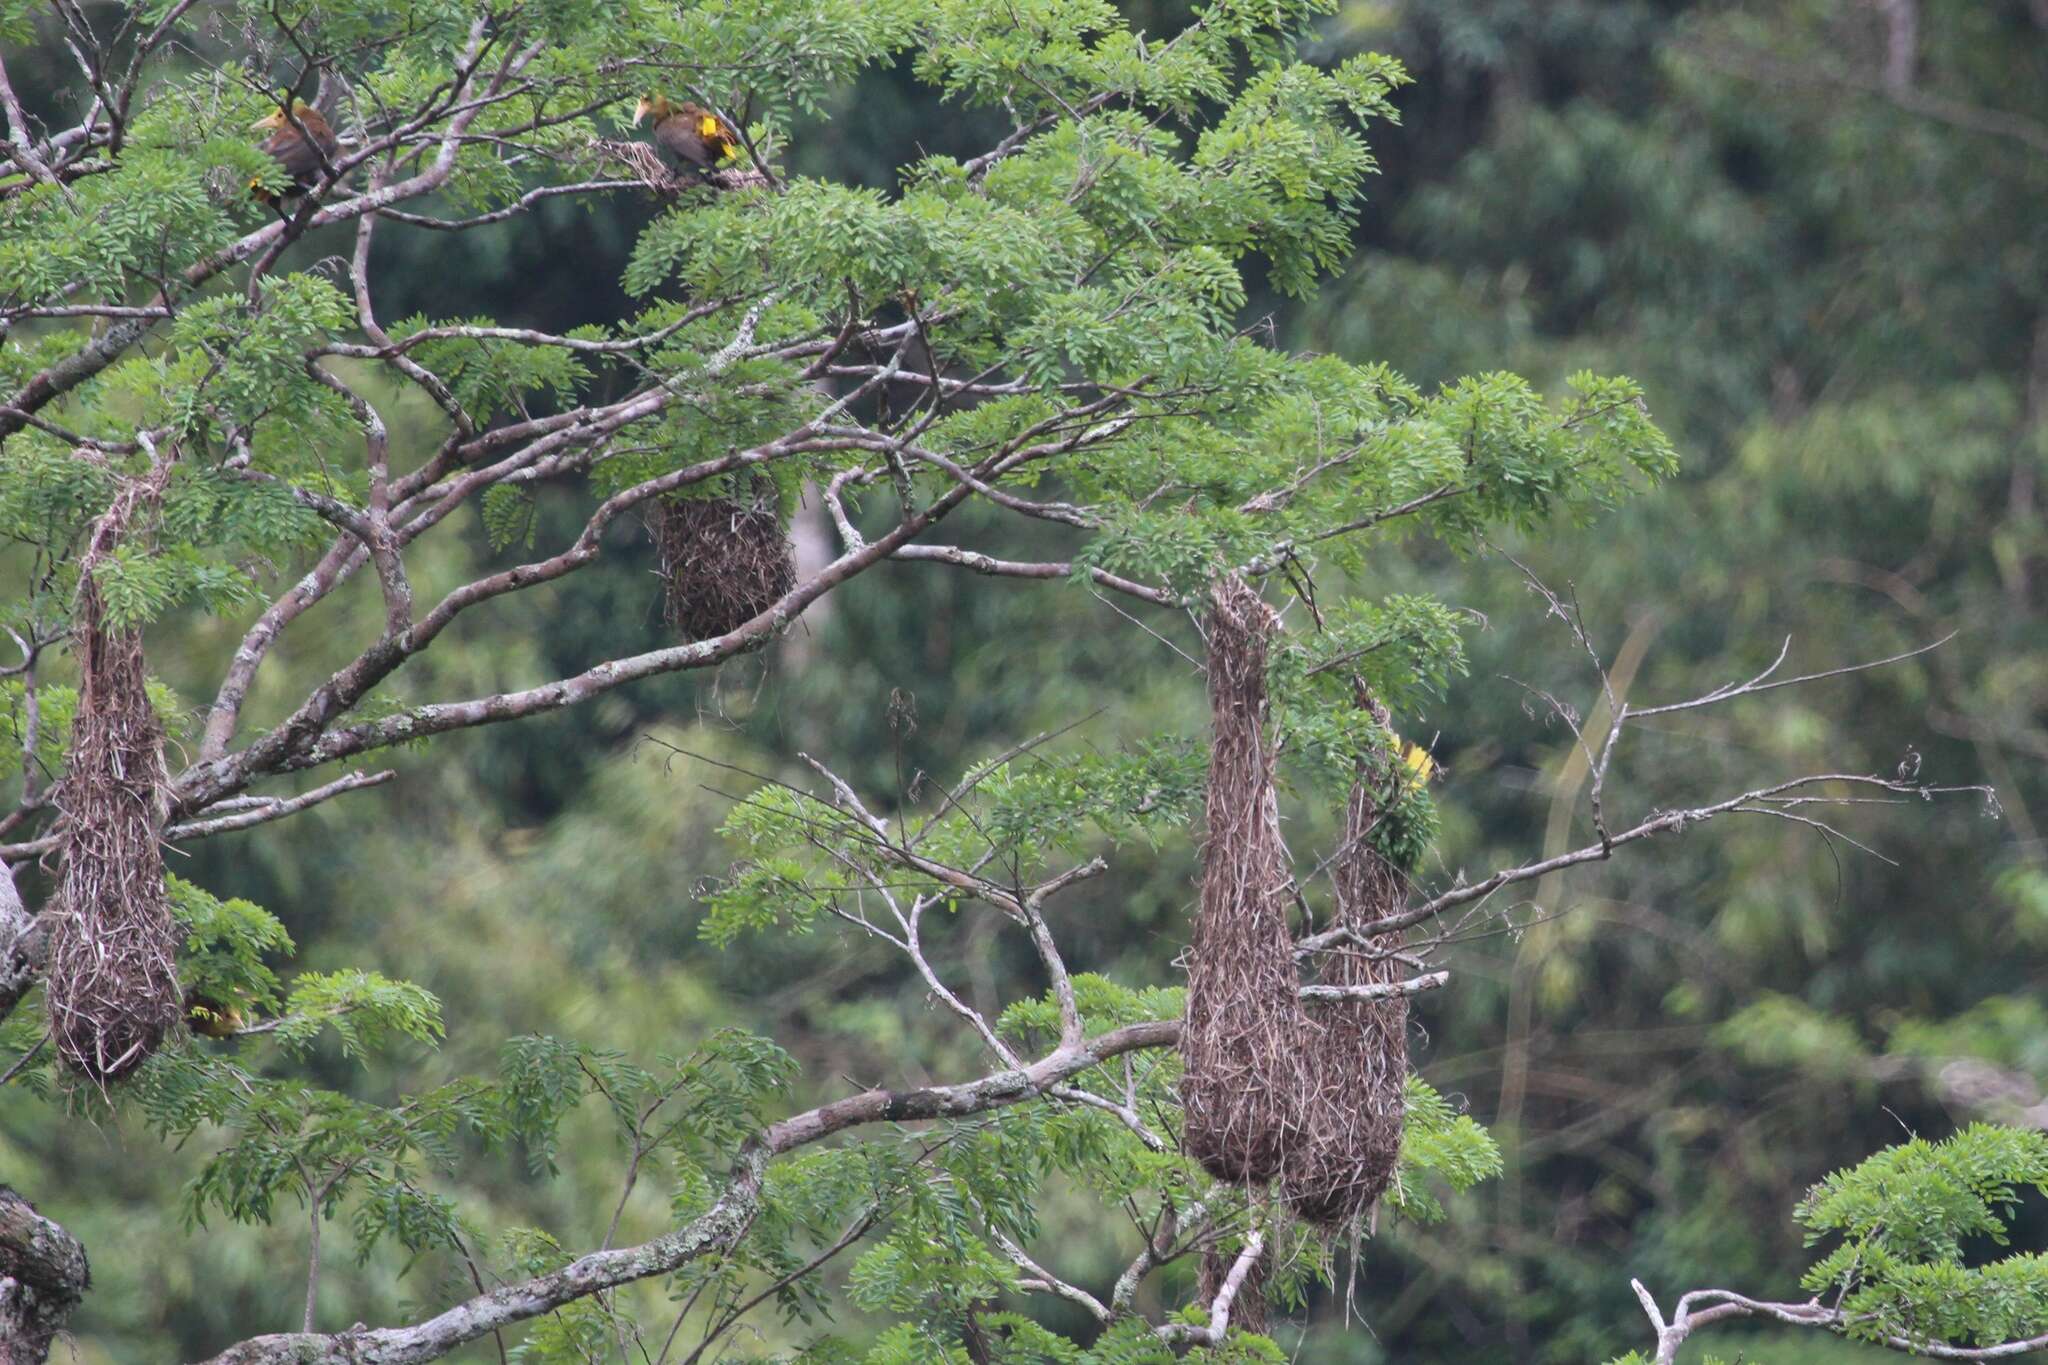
{"x": 43, "y": 1276}
{"x": 1378, "y": 990}
{"x": 24, "y": 944}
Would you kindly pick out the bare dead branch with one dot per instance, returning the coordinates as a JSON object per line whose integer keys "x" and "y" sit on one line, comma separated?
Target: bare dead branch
{"x": 1721, "y": 1304}
{"x": 268, "y": 809}
{"x": 1055, "y": 569}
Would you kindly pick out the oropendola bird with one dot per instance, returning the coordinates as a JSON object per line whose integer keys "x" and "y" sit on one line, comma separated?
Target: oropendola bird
{"x": 210, "y": 1018}
{"x": 300, "y": 154}
{"x": 691, "y": 131}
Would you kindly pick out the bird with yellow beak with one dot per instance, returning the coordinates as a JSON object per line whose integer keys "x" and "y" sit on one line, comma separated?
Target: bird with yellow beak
{"x": 690, "y": 131}
{"x": 299, "y": 144}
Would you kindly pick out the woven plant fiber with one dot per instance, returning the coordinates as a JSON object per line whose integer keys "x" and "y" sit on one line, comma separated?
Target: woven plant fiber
{"x": 1239, "y": 1041}
{"x": 723, "y": 561}
{"x": 112, "y": 979}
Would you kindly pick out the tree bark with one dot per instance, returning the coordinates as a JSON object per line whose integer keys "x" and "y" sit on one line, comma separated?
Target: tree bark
{"x": 43, "y": 1275}
{"x": 24, "y": 944}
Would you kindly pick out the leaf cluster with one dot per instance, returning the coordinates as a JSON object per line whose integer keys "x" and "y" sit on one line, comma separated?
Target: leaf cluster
{"x": 1906, "y": 1223}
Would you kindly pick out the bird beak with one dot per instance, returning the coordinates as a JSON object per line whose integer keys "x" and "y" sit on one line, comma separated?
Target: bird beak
{"x": 639, "y": 113}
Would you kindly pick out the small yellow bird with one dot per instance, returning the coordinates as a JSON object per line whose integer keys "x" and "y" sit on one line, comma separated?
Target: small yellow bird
{"x": 691, "y": 131}
{"x": 1416, "y": 759}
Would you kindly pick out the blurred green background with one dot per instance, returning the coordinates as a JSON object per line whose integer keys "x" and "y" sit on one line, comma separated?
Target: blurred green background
{"x": 1817, "y": 233}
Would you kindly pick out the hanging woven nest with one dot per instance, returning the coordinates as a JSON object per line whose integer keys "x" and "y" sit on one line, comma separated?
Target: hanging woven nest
{"x": 111, "y": 980}
{"x": 723, "y": 560}
{"x": 1354, "y": 1052}
{"x": 1240, "y": 1040}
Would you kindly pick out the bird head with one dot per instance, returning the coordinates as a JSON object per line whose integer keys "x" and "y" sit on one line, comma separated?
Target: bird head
{"x": 655, "y": 107}
{"x": 305, "y": 113}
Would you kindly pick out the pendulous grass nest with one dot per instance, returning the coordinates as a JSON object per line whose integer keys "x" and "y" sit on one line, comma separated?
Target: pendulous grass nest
{"x": 1354, "y": 1054}
{"x": 1310, "y": 1099}
{"x": 723, "y": 560}
{"x": 1240, "y": 1039}
{"x": 112, "y": 982}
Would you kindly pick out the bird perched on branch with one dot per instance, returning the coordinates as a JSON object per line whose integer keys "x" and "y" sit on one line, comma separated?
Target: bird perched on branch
{"x": 1420, "y": 764}
{"x": 211, "y": 1018}
{"x": 690, "y": 131}
{"x": 1909, "y": 766}
{"x": 300, "y": 144}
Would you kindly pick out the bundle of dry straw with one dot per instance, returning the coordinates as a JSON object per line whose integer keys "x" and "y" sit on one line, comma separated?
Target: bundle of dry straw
{"x": 112, "y": 983}
{"x": 645, "y": 164}
{"x": 1354, "y": 1052}
{"x": 1311, "y": 1099}
{"x": 1241, "y": 1034}
{"x": 723, "y": 561}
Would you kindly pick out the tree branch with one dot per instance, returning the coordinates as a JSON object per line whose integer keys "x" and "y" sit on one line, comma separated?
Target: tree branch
{"x": 713, "y": 1232}
{"x": 43, "y": 1277}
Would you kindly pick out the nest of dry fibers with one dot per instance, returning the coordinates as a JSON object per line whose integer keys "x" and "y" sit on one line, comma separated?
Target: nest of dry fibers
{"x": 645, "y": 164}
{"x": 111, "y": 981}
{"x": 1354, "y": 1054}
{"x": 1239, "y": 1041}
{"x": 723, "y": 561}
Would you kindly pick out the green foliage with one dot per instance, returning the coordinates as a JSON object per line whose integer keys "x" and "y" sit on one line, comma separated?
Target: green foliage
{"x": 1904, "y": 1219}
{"x": 322, "y": 1150}
{"x": 798, "y": 856}
{"x": 45, "y": 492}
{"x": 55, "y": 706}
{"x": 508, "y": 517}
{"x": 364, "y": 1010}
{"x": 1159, "y": 189}
{"x": 239, "y": 362}
{"x": 139, "y": 586}
{"x": 490, "y": 377}
{"x": 226, "y": 942}
{"x": 1437, "y": 1142}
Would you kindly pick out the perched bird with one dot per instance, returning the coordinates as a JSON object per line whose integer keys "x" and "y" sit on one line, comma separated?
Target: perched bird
{"x": 1909, "y": 766}
{"x": 211, "y": 1018}
{"x": 691, "y": 131}
{"x": 1419, "y": 764}
{"x": 299, "y": 153}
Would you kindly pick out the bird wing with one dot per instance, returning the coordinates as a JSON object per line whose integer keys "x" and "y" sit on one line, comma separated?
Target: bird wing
{"x": 298, "y": 157}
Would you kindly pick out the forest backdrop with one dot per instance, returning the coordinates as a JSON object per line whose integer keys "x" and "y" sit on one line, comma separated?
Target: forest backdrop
{"x": 1816, "y": 233}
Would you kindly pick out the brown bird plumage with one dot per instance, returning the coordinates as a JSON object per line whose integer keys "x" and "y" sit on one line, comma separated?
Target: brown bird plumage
{"x": 300, "y": 154}
{"x": 691, "y": 131}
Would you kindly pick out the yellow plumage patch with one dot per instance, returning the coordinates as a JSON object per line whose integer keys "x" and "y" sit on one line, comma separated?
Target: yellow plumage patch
{"x": 707, "y": 126}
{"x": 1419, "y": 764}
